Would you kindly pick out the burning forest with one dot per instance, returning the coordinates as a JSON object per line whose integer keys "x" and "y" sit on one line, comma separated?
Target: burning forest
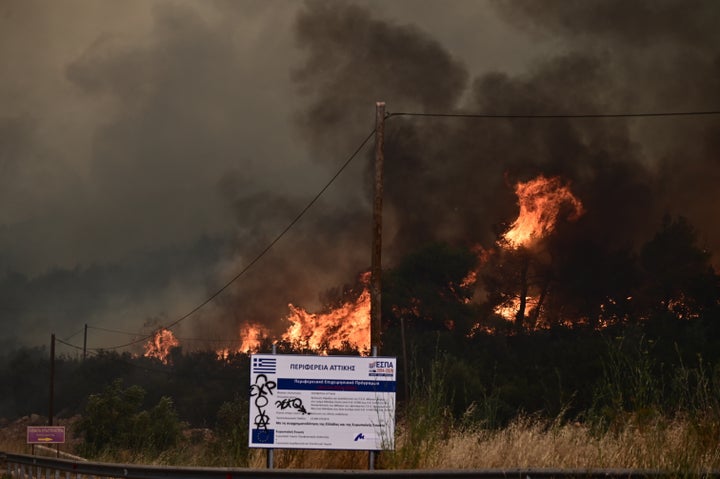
{"x": 492, "y": 225}
{"x": 199, "y": 176}
{"x": 549, "y": 200}
{"x": 524, "y": 281}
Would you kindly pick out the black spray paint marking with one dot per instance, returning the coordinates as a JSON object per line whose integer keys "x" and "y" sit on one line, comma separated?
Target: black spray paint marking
{"x": 261, "y": 390}
{"x": 294, "y": 403}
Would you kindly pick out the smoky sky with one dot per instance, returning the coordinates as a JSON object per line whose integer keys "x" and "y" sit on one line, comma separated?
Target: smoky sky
{"x": 149, "y": 151}
{"x": 451, "y": 179}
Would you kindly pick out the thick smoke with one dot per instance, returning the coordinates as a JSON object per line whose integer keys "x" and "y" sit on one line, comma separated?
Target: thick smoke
{"x": 119, "y": 125}
{"x": 144, "y": 164}
{"x": 655, "y": 56}
{"x": 344, "y": 46}
{"x": 451, "y": 179}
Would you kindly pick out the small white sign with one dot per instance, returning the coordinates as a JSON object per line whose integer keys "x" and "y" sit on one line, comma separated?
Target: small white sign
{"x": 322, "y": 402}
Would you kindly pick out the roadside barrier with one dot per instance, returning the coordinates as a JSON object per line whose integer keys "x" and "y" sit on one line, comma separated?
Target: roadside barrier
{"x": 23, "y": 466}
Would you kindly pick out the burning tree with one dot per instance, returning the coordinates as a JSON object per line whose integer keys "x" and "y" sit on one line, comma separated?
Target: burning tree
{"x": 519, "y": 276}
{"x": 160, "y": 344}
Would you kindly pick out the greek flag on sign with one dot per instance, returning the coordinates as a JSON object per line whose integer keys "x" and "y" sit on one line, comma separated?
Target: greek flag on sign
{"x": 264, "y": 365}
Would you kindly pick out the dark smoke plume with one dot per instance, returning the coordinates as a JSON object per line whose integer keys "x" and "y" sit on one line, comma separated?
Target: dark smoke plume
{"x": 452, "y": 180}
{"x": 176, "y": 176}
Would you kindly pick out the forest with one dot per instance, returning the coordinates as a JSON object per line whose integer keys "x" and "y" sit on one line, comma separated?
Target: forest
{"x": 600, "y": 335}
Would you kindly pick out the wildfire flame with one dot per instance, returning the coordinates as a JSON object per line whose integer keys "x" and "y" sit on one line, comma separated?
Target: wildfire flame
{"x": 347, "y": 325}
{"x": 541, "y": 200}
{"x": 160, "y": 344}
{"x": 251, "y": 336}
{"x": 509, "y": 310}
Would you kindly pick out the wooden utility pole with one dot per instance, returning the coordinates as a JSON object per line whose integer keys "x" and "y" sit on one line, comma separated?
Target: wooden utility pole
{"x": 85, "y": 344}
{"x": 376, "y": 264}
{"x": 51, "y": 413}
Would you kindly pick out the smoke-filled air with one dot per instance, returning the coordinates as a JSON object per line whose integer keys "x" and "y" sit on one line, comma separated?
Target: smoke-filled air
{"x": 154, "y": 153}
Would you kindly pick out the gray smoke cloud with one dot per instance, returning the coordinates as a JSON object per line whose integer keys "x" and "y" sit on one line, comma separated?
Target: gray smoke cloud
{"x": 150, "y": 150}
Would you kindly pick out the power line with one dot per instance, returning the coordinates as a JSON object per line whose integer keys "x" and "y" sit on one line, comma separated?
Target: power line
{"x": 129, "y": 333}
{"x": 297, "y": 218}
{"x": 263, "y": 252}
{"x": 558, "y": 115}
{"x": 134, "y": 364}
{"x": 73, "y": 335}
{"x": 97, "y": 328}
{"x": 68, "y": 344}
{"x": 211, "y": 340}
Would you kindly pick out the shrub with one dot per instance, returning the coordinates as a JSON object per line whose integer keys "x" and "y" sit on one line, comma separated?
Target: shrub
{"x": 114, "y": 420}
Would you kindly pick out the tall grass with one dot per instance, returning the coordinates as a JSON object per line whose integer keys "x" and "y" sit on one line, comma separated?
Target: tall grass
{"x": 681, "y": 444}
{"x": 640, "y": 419}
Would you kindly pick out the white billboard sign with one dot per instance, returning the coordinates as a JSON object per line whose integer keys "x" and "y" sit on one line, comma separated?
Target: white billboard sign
{"x": 322, "y": 402}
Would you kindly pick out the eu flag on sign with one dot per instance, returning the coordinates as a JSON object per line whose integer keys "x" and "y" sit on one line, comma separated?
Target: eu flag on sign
{"x": 263, "y": 436}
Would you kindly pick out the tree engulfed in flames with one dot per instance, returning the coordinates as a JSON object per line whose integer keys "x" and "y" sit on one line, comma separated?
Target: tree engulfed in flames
{"x": 541, "y": 200}
{"x": 347, "y": 325}
{"x": 251, "y": 337}
{"x": 160, "y": 344}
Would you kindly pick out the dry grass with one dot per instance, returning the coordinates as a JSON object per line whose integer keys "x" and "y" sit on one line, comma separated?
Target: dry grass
{"x": 676, "y": 445}
{"x": 658, "y": 443}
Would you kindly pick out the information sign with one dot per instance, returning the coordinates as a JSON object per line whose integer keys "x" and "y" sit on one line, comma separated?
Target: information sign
{"x": 46, "y": 434}
{"x": 322, "y": 402}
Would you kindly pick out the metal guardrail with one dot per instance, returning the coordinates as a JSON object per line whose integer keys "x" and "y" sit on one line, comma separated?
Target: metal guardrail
{"x": 23, "y": 466}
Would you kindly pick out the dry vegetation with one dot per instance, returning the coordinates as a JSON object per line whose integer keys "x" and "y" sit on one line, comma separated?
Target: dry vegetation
{"x": 532, "y": 443}
{"x": 656, "y": 443}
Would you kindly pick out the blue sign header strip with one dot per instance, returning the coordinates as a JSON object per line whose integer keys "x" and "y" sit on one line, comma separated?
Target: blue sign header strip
{"x": 336, "y": 385}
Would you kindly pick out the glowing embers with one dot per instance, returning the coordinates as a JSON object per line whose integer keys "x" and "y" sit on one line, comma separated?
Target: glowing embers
{"x": 541, "y": 202}
{"x": 160, "y": 344}
{"x": 509, "y": 309}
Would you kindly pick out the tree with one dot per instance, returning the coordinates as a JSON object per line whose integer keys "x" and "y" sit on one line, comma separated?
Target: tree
{"x": 592, "y": 284}
{"x": 114, "y": 420}
{"x": 429, "y": 289}
{"x": 232, "y": 430}
{"x": 678, "y": 275}
{"x": 516, "y": 283}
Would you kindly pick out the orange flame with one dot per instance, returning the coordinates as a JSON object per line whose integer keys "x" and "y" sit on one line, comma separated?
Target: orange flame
{"x": 509, "y": 309}
{"x": 251, "y": 336}
{"x": 347, "y": 325}
{"x": 540, "y": 201}
{"x": 160, "y": 344}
